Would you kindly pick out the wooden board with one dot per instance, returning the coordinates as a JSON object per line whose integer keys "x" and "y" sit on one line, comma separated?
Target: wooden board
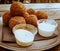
{"x": 8, "y": 35}
{"x": 39, "y": 45}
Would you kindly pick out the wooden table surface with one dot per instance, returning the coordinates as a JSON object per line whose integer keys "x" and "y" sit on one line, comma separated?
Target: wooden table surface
{"x": 57, "y": 48}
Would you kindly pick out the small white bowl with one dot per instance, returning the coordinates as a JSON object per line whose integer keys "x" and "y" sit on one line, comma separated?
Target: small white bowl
{"x": 24, "y": 37}
{"x": 30, "y": 31}
{"x": 28, "y": 27}
{"x": 47, "y": 27}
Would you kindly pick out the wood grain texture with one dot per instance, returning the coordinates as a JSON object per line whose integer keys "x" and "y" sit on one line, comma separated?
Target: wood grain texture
{"x": 8, "y": 35}
{"x": 40, "y": 45}
{"x": 56, "y": 48}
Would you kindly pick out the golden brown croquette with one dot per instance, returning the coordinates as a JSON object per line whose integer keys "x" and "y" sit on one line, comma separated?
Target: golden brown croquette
{"x": 41, "y": 15}
{"x": 25, "y": 15}
{"x": 32, "y": 19}
{"x": 16, "y": 20}
{"x": 6, "y": 17}
{"x": 17, "y": 9}
{"x": 31, "y": 11}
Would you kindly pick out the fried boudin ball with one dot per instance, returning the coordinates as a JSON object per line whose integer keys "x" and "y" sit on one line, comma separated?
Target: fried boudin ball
{"x": 25, "y": 15}
{"x": 16, "y": 20}
{"x": 32, "y": 19}
{"x": 41, "y": 15}
{"x": 6, "y": 17}
{"x": 31, "y": 11}
{"x": 17, "y": 9}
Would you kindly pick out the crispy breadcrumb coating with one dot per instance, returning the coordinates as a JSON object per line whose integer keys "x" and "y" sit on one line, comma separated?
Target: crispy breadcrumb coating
{"x": 25, "y": 15}
{"x": 41, "y": 15}
{"x": 31, "y": 11}
{"x": 17, "y": 9}
{"x": 6, "y": 17}
{"x": 31, "y": 19}
{"x": 16, "y": 20}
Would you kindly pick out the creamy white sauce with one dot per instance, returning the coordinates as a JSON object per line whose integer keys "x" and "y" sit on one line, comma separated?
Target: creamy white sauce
{"x": 24, "y": 35}
{"x": 46, "y": 27}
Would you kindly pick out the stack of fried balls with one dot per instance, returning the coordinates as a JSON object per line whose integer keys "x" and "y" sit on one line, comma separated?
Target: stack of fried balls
{"x": 19, "y": 14}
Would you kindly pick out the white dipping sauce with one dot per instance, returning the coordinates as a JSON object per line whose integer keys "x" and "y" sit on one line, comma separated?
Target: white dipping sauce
{"x": 24, "y": 35}
{"x": 46, "y": 29}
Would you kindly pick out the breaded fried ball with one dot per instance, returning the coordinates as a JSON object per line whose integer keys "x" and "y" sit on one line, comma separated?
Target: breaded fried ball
{"x": 16, "y": 20}
{"x": 25, "y": 15}
{"x": 41, "y": 15}
{"x": 6, "y": 17}
{"x": 31, "y": 11}
{"x": 32, "y": 19}
{"x": 17, "y": 9}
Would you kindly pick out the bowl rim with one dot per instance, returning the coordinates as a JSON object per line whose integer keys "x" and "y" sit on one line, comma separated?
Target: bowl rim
{"x": 35, "y": 29}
